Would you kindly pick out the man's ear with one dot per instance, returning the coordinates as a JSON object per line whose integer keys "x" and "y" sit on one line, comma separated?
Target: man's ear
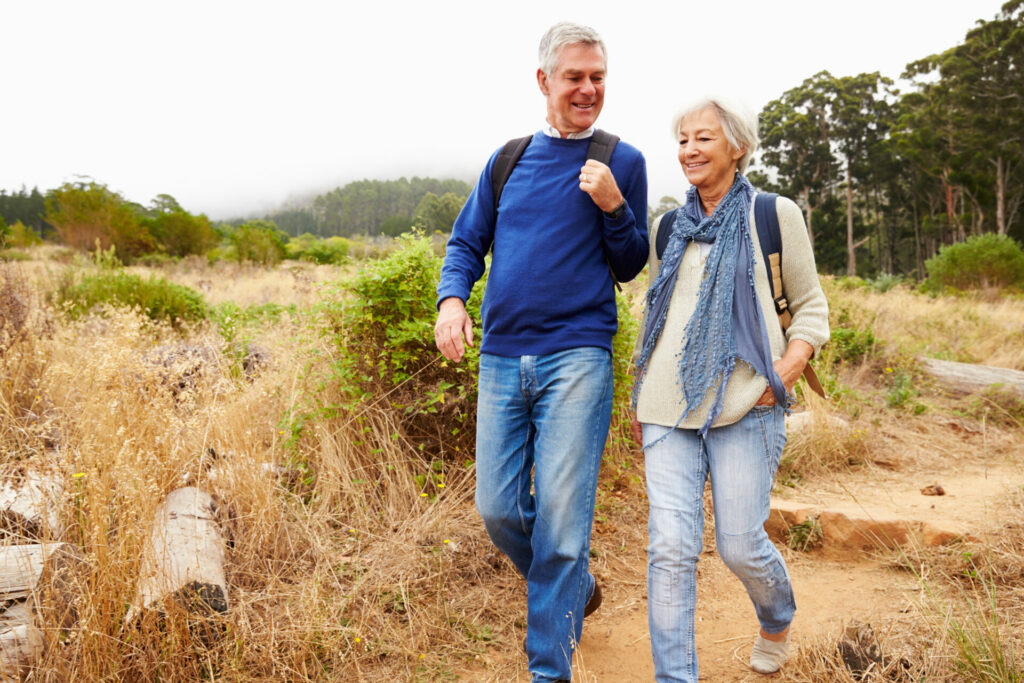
{"x": 542, "y": 81}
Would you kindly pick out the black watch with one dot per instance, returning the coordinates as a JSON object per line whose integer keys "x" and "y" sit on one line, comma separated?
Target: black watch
{"x": 618, "y": 212}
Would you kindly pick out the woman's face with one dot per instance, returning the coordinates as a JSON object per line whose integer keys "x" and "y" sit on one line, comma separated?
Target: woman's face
{"x": 708, "y": 161}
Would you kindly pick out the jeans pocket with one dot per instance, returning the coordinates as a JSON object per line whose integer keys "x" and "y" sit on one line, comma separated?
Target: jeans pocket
{"x": 762, "y": 410}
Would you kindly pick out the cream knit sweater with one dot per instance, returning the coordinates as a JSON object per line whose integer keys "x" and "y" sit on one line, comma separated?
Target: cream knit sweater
{"x": 660, "y": 400}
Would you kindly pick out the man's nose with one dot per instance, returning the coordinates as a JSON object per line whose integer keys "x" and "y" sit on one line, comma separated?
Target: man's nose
{"x": 588, "y": 87}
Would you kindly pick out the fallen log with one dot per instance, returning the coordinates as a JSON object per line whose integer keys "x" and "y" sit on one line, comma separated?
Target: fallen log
{"x": 39, "y": 582}
{"x": 969, "y": 378}
{"x": 183, "y": 561}
{"x": 30, "y": 503}
{"x": 21, "y": 642}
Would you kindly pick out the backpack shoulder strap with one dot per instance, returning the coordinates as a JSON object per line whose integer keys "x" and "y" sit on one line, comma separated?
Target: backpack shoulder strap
{"x": 661, "y": 239}
{"x": 769, "y": 235}
{"x": 602, "y": 144}
{"x": 506, "y": 161}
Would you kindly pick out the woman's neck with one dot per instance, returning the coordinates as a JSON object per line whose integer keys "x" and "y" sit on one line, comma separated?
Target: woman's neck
{"x": 710, "y": 198}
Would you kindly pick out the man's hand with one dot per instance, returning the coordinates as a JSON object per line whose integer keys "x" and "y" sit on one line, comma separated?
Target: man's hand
{"x": 596, "y": 179}
{"x": 452, "y": 323}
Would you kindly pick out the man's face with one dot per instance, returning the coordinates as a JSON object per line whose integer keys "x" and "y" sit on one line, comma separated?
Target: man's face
{"x": 575, "y": 89}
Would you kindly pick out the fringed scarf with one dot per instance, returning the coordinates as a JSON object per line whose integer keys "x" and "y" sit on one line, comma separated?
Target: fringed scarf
{"x": 727, "y": 324}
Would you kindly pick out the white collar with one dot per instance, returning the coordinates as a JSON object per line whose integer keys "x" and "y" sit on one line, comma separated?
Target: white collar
{"x": 552, "y": 132}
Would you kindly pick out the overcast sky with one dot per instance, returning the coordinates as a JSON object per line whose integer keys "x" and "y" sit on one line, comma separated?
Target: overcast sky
{"x": 236, "y": 107}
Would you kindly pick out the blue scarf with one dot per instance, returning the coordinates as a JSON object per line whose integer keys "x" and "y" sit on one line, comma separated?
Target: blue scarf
{"x": 727, "y": 324}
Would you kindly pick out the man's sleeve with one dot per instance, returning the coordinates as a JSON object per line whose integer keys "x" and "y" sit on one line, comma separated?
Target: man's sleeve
{"x": 472, "y": 236}
{"x": 625, "y": 239}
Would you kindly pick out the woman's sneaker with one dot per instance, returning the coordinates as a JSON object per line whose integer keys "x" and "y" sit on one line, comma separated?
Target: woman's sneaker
{"x": 768, "y": 656}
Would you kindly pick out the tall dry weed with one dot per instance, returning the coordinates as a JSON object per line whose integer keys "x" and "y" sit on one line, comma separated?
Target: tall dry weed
{"x": 966, "y": 329}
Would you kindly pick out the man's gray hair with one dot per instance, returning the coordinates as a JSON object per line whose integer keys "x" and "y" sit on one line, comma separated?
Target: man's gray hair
{"x": 559, "y": 36}
{"x": 738, "y": 122}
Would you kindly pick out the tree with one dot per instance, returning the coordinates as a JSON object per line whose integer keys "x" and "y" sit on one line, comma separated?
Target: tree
{"x": 665, "y": 205}
{"x": 438, "y": 214}
{"x": 860, "y": 115}
{"x": 88, "y": 213}
{"x": 795, "y": 141}
{"x": 178, "y": 232}
{"x": 395, "y": 225}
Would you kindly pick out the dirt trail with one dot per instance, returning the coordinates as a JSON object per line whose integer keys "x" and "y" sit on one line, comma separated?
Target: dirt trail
{"x": 830, "y": 588}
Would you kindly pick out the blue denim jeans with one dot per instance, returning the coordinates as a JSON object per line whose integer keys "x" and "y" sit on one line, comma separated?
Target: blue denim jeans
{"x": 550, "y": 414}
{"x": 741, "y": 460}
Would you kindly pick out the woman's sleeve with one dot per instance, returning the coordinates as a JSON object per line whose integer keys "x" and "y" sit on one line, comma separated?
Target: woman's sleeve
{"x": 800, "y": 281}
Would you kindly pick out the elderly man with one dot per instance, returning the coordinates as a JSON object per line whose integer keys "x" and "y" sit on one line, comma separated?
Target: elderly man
{"x": 564, "y": 226}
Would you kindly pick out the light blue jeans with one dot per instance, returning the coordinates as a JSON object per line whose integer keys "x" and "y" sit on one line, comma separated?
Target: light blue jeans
{"x": 550, "y": 414}
{"x": 741, "y": 460}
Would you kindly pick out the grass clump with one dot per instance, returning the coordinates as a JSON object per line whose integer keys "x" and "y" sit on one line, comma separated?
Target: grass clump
{"x": 804, "y": 536}
{"x": 157, "y": 298}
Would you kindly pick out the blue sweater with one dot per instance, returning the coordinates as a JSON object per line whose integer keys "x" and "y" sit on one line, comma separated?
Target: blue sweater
{"x": 549, "y": 287}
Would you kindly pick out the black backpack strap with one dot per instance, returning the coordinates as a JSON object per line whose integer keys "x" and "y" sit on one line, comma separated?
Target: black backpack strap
{"x": 661, "y": 239}
{"x": 503, "y": 165}
{"x": 769, "y": 235}
{"x": 602, "y": 144}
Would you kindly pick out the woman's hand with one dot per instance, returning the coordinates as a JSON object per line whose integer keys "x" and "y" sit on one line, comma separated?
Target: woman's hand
{"x": 635, "y": 430}
{"x": 789, "y": 369}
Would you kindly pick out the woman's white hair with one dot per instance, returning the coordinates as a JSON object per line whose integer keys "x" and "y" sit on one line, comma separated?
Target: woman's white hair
{"x": 739, "y": 123}
{"x": 559, "y": 36}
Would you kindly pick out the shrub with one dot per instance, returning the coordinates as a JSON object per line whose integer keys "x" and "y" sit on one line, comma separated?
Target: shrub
{"x": 982, "y": 261}
{"x": 379, "y": 327}
{"x": 22, "y": 236}
{"x": 306, "y": 247}
{"x": 156, "y": 297}
{"x": 260, "y": 242}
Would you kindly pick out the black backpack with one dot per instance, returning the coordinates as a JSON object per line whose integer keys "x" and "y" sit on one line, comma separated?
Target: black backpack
{"x": 769, "y": 235}
{"x": 602, "y": 144}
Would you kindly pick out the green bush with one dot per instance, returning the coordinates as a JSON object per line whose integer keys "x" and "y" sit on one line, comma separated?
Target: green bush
{"x": 22, "y": 236}
{"x": 306, "y": 247}
{"x": 982, "y": 261}
{"x": 379, "y": 329}
{"x": 260, "y": 242}
{"x": 156, "y": 297}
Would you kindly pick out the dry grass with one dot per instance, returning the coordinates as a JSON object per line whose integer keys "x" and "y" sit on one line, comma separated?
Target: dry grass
{"x": 349, "y": 576}
{"x": 247, "y": 284}
{"x": 342, "y": 569}
{"x": 980, "y": 329}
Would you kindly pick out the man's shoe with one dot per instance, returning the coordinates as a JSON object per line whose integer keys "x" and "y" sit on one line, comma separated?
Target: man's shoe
{"x": 594, "y": 602}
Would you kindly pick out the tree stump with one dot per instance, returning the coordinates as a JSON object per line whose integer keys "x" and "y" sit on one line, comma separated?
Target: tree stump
{"x": 968, "y": 378}
{"x": 183, "y": 561}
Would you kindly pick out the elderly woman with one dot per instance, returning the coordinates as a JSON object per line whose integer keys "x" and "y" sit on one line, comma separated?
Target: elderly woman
{"x": 714, "y": 376}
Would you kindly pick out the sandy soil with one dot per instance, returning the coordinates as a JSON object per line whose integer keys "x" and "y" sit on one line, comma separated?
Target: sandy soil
{"x": 830, "y": 592}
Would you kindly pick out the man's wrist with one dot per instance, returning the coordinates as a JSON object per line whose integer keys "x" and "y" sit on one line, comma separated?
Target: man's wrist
{"x": 618, "y": 212}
